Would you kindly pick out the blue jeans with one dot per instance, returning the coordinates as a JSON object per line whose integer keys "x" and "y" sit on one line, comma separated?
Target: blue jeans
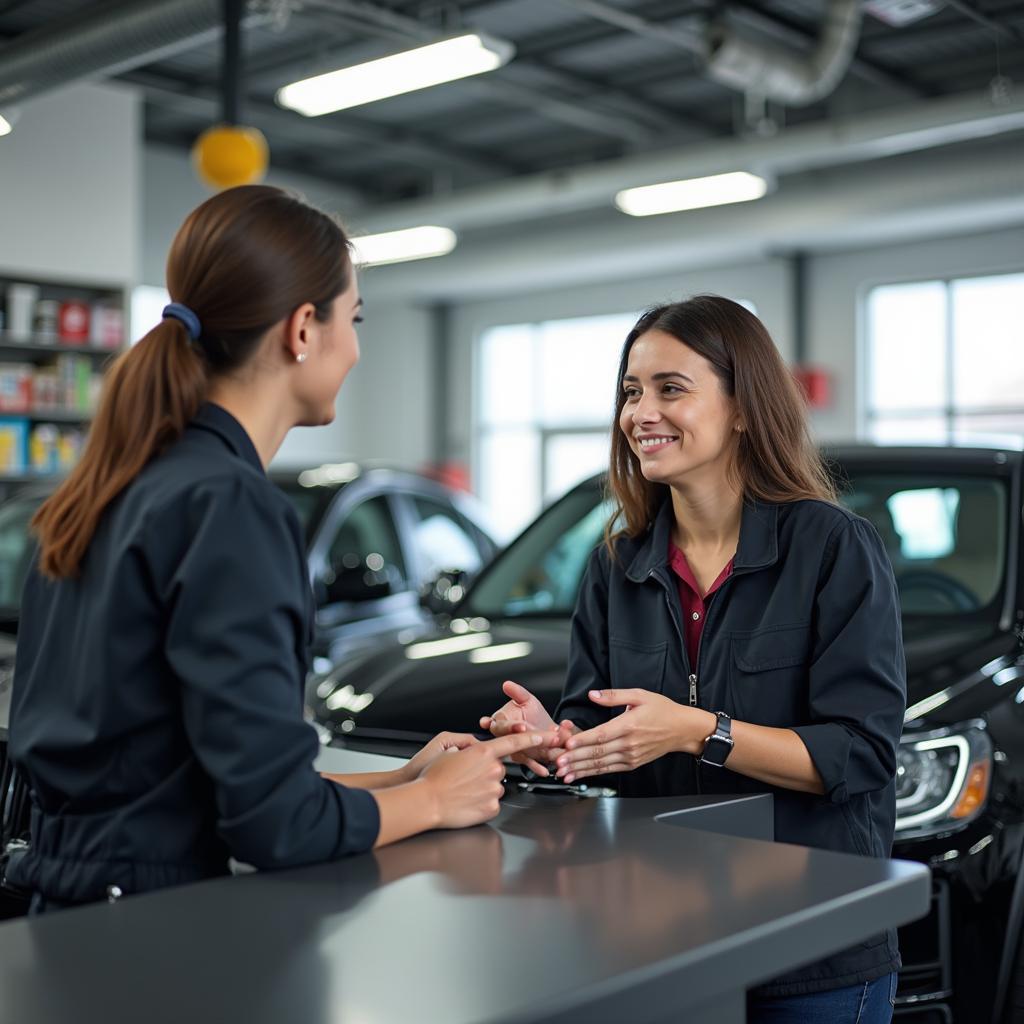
{"x": 870, "y": 1003}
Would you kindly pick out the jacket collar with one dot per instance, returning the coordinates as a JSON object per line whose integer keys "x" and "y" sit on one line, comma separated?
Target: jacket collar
{"x": 221, "y": 423}
{"x": 758, "y": 545}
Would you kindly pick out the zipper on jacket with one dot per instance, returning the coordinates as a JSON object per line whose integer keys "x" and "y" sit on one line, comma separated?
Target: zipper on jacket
{"x": 708, "y": 607}
{"x": 675, "y": 614}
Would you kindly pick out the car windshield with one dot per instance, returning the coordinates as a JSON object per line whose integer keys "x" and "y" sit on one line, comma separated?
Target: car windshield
{"x": 945, "y": 535}
{"x": 540, "y": 572}
{"x": 16, "y": 546}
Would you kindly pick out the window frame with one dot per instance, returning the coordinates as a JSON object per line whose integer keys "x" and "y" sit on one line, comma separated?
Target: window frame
{"x": 535, "y": 425}
{"x": 949, "y": 411}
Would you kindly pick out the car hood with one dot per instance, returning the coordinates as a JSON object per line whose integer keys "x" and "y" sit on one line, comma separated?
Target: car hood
{"x": 412, "y": 689}
{"x": 441, "y": 680}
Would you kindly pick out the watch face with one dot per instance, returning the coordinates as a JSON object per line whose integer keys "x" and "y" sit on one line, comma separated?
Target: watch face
{"x": 716, "y": 750}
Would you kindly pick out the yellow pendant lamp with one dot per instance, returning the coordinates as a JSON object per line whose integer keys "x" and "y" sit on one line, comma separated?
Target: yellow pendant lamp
{"x": 227, "y": 155}
{"x": 230, "y": 154}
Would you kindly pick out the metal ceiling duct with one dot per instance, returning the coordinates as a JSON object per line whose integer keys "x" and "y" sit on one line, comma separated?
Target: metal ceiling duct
{"x": 765, "y": 70}
{"x": 104, "y": 41}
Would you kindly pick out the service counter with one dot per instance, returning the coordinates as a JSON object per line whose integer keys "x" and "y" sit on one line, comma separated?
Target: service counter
{"x": 563, "y": 909}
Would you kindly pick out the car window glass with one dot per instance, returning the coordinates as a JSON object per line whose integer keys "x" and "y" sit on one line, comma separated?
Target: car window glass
{"x": 442, "y": 539}
{"x": 540, "y": 573}
{"x": 16, "y": 546}
{"x": 945, "y": 537}
{"x": 366, "y": 539}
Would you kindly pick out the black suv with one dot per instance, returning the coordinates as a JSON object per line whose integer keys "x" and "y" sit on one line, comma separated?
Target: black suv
{"x": 951, "y": 523}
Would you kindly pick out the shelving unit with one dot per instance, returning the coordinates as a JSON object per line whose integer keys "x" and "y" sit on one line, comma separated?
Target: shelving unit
{"x": 46, "y": 398}
{"x": 32, "y": 349}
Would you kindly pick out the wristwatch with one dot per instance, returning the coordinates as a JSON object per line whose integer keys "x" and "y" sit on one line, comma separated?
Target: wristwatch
{"x": 718, "y": 746}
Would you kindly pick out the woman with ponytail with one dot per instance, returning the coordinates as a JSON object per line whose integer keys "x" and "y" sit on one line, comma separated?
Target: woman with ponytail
{"x": 157, "y": 704}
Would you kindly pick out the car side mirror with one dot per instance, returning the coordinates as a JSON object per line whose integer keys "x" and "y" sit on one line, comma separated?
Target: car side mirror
{"x": 359, "y": 583}
{"x": 440, "y": 594}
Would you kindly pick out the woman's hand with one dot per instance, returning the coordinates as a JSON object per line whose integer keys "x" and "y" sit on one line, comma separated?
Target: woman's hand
{"x": 465, "y": 786}
{"x": 523, "y": 713}
{"x": 651, "y": 726}
{"x": 429, "y": 753}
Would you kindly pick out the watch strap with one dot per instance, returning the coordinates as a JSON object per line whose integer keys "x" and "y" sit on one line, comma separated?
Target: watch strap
{"x": 718, "y": 746}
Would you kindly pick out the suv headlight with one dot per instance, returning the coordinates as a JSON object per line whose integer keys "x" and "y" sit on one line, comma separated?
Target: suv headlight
{"x": 942, "y": 779}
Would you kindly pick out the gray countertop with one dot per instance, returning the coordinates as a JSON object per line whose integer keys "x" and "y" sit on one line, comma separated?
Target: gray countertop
{"x": 563, "y": 909}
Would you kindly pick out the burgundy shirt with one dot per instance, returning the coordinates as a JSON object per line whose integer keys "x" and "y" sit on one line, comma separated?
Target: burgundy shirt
{"x": 691, "y": 600}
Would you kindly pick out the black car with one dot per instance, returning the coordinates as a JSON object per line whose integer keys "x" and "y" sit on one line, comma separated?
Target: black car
{"x": 951, "y": 520}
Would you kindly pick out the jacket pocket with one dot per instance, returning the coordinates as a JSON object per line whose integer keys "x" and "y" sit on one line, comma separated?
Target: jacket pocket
{"x": 637, "y": 665}
{"x": 768, "y": 675}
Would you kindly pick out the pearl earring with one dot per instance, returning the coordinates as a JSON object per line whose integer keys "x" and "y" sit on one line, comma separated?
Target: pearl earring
{"x": 301, "y": 357}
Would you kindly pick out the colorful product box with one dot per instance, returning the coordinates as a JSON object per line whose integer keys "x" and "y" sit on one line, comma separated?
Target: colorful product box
{"x": 16, "y": 387}
{"x": 13, "y": 445}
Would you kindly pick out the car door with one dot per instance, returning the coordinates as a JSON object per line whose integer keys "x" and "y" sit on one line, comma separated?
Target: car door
{"x": 360, "y": 575}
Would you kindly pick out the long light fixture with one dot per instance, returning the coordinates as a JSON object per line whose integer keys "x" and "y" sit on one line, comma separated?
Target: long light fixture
{"x": 6, "y": 125}
{"x": 691, "y": 194}
{"x": 398, "y": 246}
{"x": 443, "y": 61}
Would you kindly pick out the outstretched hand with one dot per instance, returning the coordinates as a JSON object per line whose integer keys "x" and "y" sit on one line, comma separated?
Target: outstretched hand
{"x": 524, "y": 713}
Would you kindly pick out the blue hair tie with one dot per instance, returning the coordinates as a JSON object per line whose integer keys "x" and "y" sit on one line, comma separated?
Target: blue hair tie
{"x": 179, "y": 311}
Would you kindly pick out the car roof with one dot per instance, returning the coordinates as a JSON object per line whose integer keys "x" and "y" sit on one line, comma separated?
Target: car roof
{"x": 920, "y": 456}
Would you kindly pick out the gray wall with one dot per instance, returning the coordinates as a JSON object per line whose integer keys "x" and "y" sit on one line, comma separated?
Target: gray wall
{"x": 70, "y": 187}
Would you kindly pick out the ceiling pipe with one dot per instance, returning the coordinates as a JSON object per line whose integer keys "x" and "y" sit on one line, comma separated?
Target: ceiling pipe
{"x": 915, "y": 127}
{"x": 104, "y": 41}
{"x": 765, "y": 70}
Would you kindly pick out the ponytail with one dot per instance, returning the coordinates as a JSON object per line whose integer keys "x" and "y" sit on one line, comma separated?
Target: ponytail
{"x": 150, "y": 395}
{"x": 242, "y": 261}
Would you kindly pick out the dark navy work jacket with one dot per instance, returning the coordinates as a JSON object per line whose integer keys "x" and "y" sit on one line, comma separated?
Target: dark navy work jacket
{"x": 805, "y": 634}
{"x": 157, "y": 702}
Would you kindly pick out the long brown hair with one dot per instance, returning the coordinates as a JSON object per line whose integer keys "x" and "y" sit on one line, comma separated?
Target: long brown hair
{"x": 242, "y": 262}
{"x": 776, "y": 460}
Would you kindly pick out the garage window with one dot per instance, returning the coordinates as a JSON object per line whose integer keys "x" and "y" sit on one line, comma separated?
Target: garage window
{"x": 943, "y": 361}
{"x": 546, "y": 396}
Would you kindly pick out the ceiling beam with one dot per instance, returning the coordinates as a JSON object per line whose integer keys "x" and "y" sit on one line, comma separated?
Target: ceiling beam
{"x": 578, "y": 113}
{"x": 296, "y": 60}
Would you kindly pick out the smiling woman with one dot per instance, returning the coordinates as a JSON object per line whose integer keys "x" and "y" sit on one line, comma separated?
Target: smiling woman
{"x": 738, "y": 631}
{"x": 740, "y": 376}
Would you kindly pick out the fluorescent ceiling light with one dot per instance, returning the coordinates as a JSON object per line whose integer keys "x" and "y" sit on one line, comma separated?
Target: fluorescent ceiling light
{"x": 399, "y": 246}
{"x": 5, "y": 126}
{"x": 444, "y": 61}
{"x": 691, "y": 194}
